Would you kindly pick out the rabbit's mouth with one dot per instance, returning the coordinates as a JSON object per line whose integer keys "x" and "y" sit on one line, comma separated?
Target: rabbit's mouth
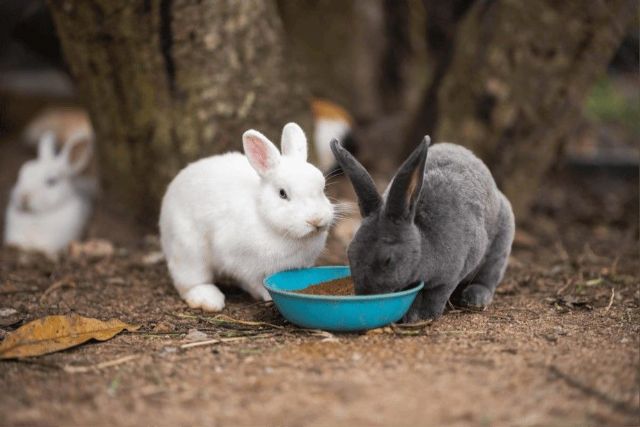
{"x": 316, "y": 230}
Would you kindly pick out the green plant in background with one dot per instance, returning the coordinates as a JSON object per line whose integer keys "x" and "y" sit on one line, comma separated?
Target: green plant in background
{"x": 616, "y": 102}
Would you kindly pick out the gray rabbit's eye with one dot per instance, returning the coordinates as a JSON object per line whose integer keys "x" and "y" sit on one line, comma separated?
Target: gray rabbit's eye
{"x": 52, "y": 181}
{"x": 284, "y": 195}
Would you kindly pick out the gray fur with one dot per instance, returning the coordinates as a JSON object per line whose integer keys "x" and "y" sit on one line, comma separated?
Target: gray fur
{"x": 456, "y": 238}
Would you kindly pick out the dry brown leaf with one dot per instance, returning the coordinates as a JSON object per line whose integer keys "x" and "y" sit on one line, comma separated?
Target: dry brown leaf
{"x": 55, "y": 333}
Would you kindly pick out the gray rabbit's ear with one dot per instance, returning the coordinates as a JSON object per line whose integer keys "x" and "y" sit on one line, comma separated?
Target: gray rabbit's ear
{"x": 406, "y": 186}
{"x": 369, "y": 199}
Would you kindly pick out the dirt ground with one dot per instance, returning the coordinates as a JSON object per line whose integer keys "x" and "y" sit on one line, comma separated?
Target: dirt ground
{"x": 559, "y": 345}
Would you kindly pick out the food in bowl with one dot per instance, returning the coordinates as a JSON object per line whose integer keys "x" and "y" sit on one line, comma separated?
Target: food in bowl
{"x": 339, "y": 287}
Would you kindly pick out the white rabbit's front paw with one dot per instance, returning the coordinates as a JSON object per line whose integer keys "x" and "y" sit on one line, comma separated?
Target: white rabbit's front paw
{"x": 206, "y": 297}
{"x": 264, "y": 294}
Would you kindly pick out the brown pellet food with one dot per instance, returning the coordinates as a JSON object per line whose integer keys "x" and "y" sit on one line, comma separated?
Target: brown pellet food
{"x": 338, "y": 287}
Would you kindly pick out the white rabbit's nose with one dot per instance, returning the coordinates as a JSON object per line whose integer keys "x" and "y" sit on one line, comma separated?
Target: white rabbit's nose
{"x": 315, "y": 222}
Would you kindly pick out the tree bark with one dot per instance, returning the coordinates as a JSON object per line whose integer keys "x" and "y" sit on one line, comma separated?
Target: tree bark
{"x": 170, "y": 81}
{"x": 516, "y": 82}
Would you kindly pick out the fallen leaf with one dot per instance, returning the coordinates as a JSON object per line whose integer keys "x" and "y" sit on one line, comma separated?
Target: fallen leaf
{"x": 92, "y": 249}
{"x": 55, "y": 333}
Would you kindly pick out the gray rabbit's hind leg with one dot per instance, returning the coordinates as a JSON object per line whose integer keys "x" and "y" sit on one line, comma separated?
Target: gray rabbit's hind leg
{"x": 478, "y": 293}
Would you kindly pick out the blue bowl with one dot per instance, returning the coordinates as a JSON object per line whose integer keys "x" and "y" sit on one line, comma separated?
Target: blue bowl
{"x": 334, "y": 313}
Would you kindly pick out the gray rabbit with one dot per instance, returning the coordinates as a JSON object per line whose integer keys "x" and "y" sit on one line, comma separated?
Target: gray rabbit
{"x": 442, "y": 220}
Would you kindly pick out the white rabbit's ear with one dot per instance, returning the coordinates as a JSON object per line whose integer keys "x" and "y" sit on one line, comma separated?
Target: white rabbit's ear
{"x": 262, "y": 154}
{"x": 294, "y": 142}
{"x": 77, "y": 151}
{"x": 47, "y": 146}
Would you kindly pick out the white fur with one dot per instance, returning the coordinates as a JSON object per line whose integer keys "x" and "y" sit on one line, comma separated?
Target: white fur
{"x": 45, "y": 211}
{"x": 325, "y": 130}
{"x": 223, "y": 217}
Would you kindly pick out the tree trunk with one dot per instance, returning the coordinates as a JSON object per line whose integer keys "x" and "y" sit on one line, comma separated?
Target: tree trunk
{"x": 516, "y": 81}
{"x": 170, "y": 81}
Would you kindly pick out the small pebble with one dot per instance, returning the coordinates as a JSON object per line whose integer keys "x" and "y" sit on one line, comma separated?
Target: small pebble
{"x": 163, "y": 327}
{"x": 6, "y": 312}
{"x": 196, "y": 335}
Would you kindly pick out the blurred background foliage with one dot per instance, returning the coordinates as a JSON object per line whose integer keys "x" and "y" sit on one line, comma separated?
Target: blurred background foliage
{"x": 610, "y": 104}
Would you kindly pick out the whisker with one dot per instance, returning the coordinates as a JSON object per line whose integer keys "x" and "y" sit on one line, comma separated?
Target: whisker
{"x": 334, "y": 174}
{"x": 344, "y": 208}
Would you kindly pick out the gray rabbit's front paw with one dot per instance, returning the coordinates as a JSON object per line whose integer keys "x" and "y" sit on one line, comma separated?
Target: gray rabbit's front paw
{"x": 422, "y": 312}
{"x": 476, "y": 297}
{"x": 414, "y": 316}
{"x": 429, "y": 304}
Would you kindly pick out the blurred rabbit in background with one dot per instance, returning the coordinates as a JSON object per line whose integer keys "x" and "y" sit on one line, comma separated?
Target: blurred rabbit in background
{"x": 330, "y": 121}
{"x": 51, "y": 202}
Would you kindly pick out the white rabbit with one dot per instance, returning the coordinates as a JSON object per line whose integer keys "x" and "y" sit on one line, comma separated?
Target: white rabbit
{"x": 244, "y": 218}
{"x": 46, "y": 211}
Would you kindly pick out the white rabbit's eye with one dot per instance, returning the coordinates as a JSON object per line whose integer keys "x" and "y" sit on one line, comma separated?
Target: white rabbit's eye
{"x": 52, "y": 181}
{"x": 283, "y": 194}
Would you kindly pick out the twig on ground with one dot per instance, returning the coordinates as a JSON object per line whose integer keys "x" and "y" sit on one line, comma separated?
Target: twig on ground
{"x": 103, "y": 365}
{"x": 613, "y": 293}
{"x": 221, "y": 319}
{"x": 222, "y": 340}
{"x": 64, "y": 282}
{"x": 224, "y": 320}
